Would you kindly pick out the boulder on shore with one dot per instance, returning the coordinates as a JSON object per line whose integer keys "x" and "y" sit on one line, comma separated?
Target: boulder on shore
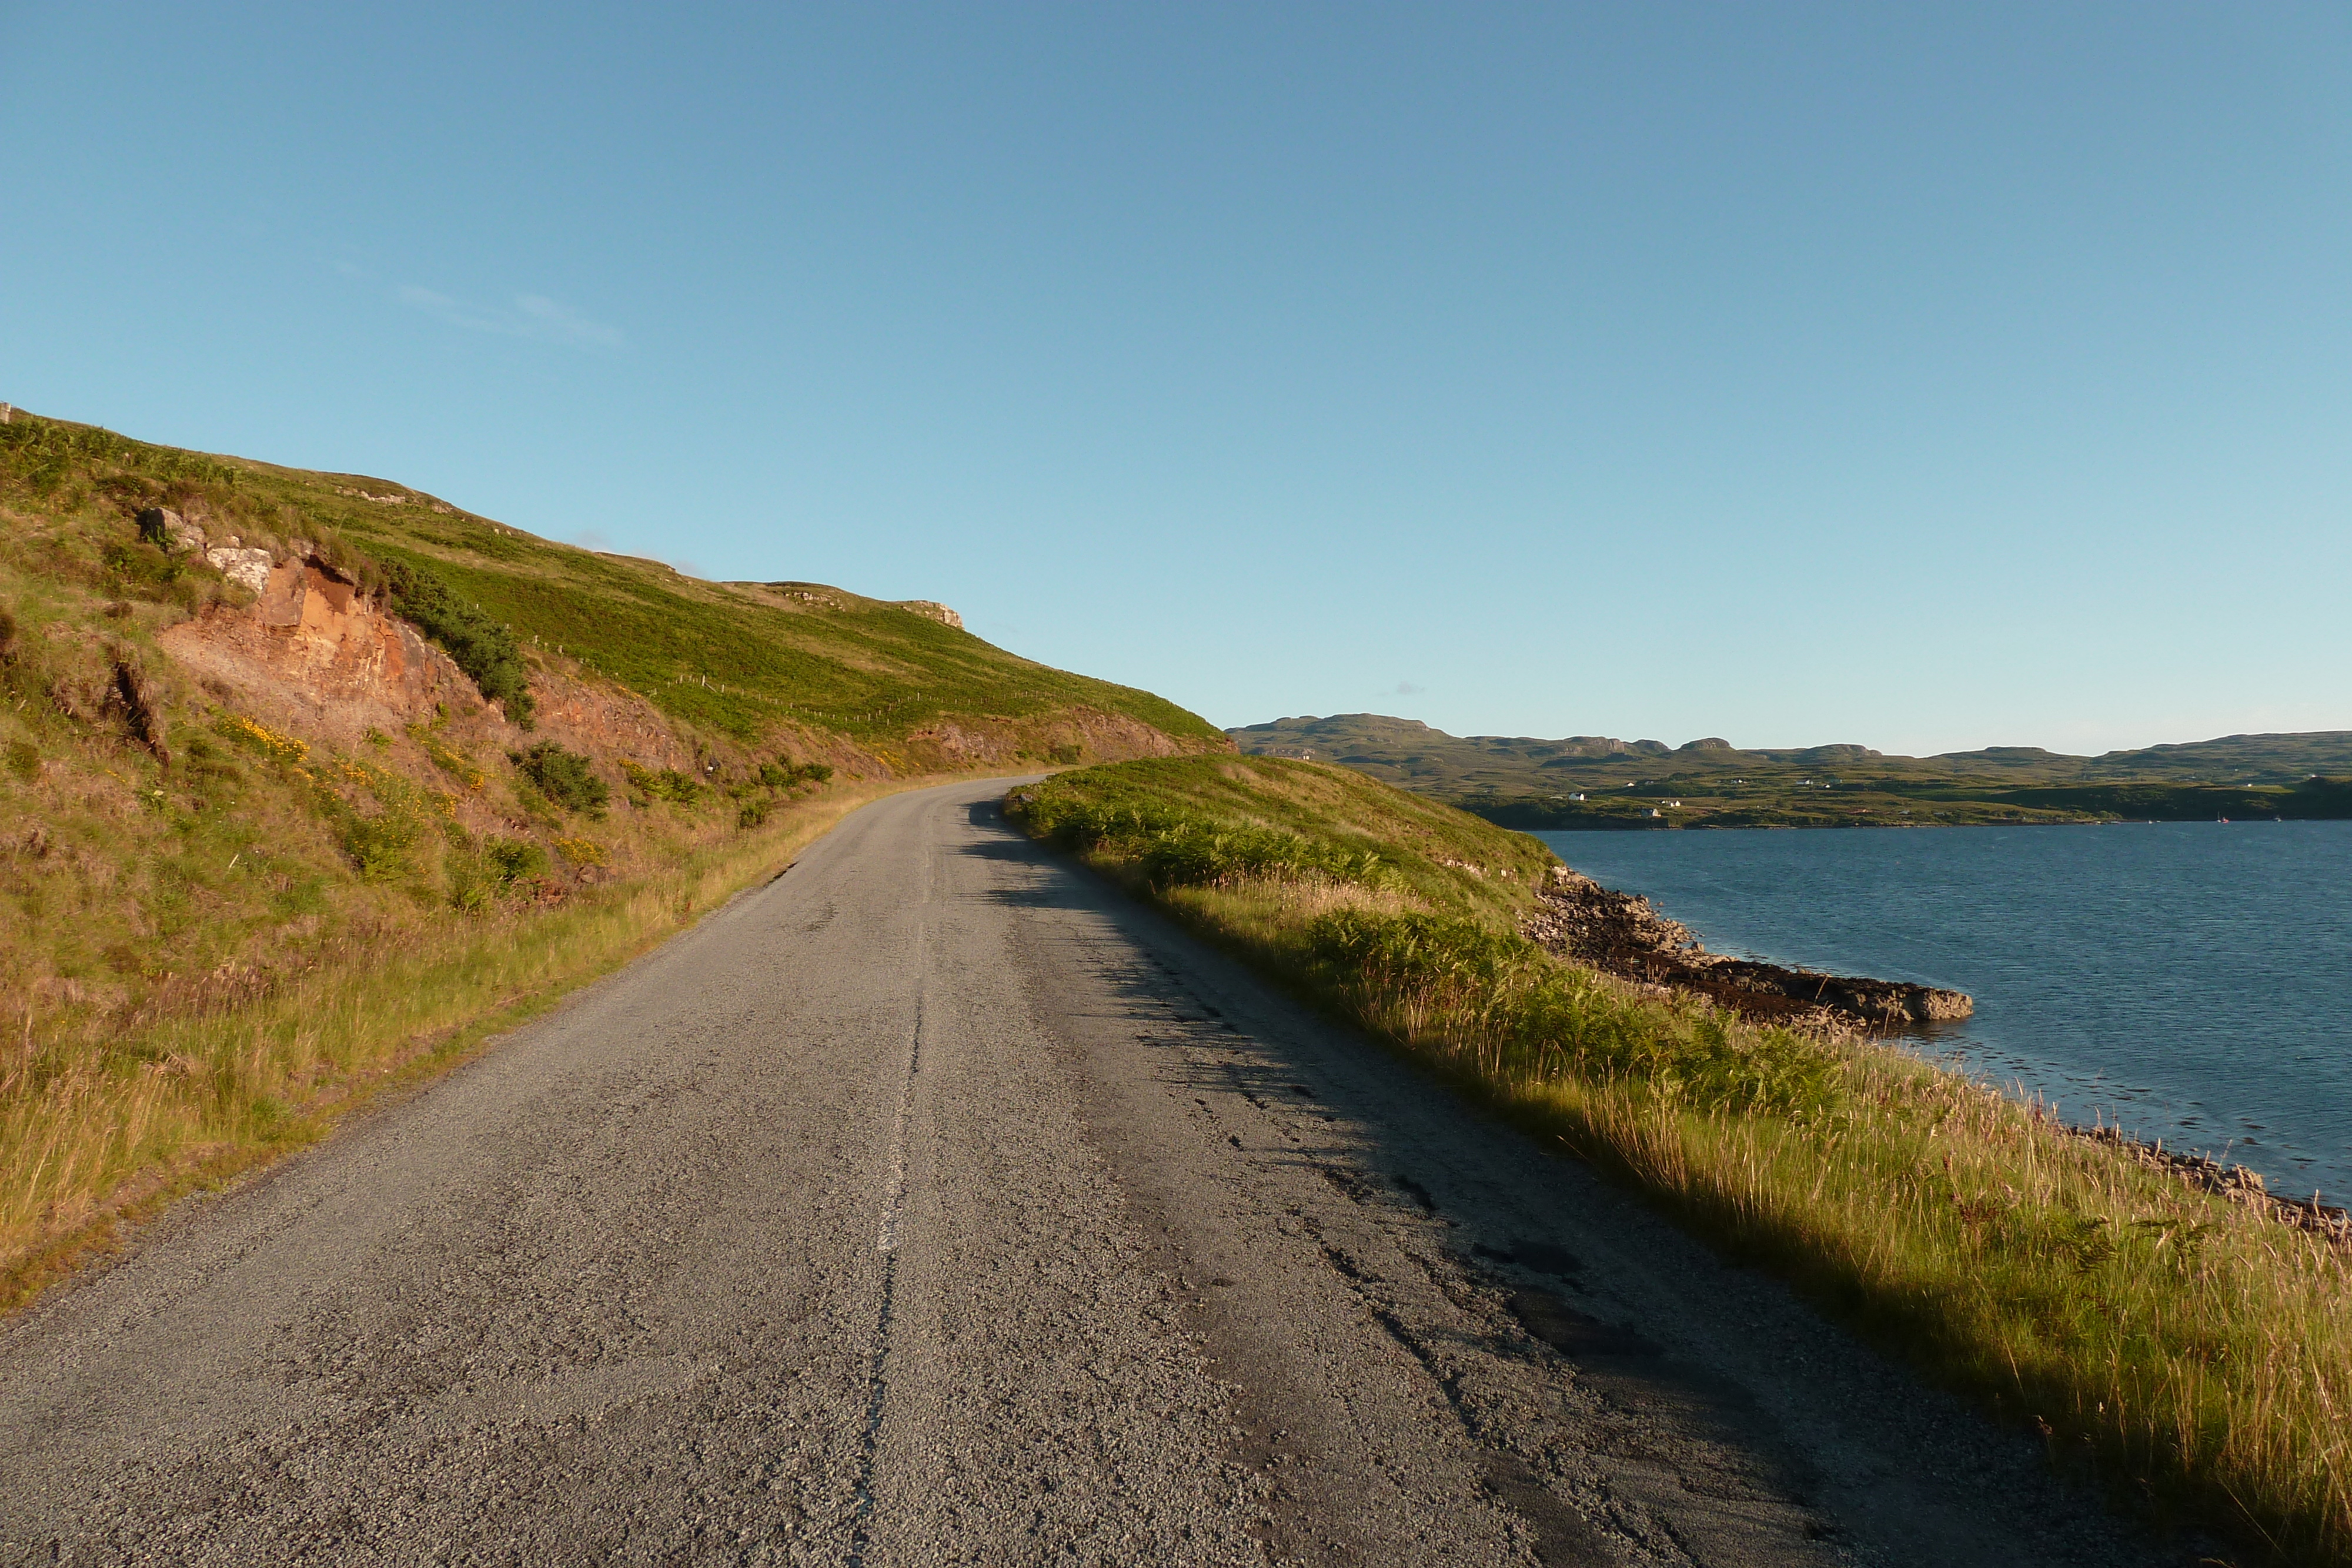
{"x": 1622, "y": 934}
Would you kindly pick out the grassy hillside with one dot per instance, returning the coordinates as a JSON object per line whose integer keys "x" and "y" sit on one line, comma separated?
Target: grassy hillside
{"x": 265, "y": 841}
{"x": 1221, "y": 821}
{"x": 2180, "y": 1348}
{"x": 1529, "y": 783}
{"x": 733, "y": 658}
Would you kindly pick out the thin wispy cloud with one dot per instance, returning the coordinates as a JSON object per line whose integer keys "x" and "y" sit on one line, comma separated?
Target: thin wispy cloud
{"x": 531, "y": 315}
{"x": 1407, "y": 689}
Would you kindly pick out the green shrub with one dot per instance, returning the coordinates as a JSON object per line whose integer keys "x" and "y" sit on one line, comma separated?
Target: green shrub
{"x": 24, "y": 760}
{"x": 479, "y": 873}
{"x": 42, "y": 455}
{"x": 1179, "y": 848}
{"x": 143, "y": 572}
{"x": 777, "y": 775}
{"x": 565, "y": 778}
{"x": 513, "y": 860}
{"x": 472, "y": 890}
{"x": 378, "y": 846}
{"x": 782, "y": 775}
{"x": 45, "y": 453}
{"x": 481, "y": 646}
{"x": 664, "y": 784}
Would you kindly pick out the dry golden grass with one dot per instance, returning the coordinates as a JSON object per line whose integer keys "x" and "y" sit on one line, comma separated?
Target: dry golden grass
{"x": 98, "y": 1132}
{"x": 1270, "y": 906}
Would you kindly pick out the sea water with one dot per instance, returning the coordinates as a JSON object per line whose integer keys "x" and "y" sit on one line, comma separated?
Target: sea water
{"x": 2190, "y": 980}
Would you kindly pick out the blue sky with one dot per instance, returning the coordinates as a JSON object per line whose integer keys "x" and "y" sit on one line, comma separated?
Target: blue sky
{"x": 1926, "y": 377}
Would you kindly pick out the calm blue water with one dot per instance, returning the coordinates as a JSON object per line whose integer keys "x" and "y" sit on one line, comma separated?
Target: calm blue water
{"x": 2192, "y": 979}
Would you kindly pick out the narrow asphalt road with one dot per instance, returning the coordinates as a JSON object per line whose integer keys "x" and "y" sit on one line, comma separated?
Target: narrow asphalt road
{"x": 933, "y": 1203}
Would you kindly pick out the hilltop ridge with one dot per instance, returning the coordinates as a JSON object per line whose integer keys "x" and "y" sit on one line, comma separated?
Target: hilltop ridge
{"x": 894, "y": 687}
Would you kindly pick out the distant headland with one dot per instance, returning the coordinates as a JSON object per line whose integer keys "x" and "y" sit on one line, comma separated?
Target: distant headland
{"x": 1597, "y": 781}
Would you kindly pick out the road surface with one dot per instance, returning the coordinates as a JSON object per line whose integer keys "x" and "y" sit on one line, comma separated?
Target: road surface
{"x": 934, "y": 1204}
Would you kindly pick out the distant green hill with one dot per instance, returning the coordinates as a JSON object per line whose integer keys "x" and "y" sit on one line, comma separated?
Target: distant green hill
{"x": 1526, "y": 782}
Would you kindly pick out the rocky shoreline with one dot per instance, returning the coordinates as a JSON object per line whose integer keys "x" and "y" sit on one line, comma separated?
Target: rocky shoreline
{"x": 1622, "y": 933}
{"x": 2235, "y": 1183}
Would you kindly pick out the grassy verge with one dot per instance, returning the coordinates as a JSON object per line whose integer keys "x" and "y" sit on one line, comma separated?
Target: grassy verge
{"x": 100, "y": 1128}
{"x": 2184, "y": 1350}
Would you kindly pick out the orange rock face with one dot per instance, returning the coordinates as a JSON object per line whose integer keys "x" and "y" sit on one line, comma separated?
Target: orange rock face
{"x": 315, "y": 654}
{"x": 324, "y": 652}
{"x": 606, "y": 721}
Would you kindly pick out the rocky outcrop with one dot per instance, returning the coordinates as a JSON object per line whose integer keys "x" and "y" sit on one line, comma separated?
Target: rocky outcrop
{"x": 1620, "y": 932}
{"x": 931, "y": 609}
{"x": 184, "y": 534}
{"x": 170, "y": 530}
{"x": 322, "y": 650}
{"x": 1882, "y": 1004}
{"x": 248, "y": 569}
{"x": 1624, "y": 934}
{"x": 316, "y": 653}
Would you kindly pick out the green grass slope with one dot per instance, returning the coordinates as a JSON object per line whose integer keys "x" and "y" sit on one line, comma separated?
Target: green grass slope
{"x": 1201, "y": 820}
{"x": 736, "y": 659}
